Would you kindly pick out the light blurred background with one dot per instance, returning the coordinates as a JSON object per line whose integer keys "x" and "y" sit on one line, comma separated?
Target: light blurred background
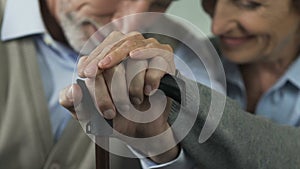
{"x": 192, "y": 11}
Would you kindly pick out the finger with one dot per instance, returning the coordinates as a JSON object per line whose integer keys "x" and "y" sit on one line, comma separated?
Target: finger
{"x": 88, "y": 67}
{"x": 153, "y": 76}
{"x": 69, "y": 98}
{"x": 116, "y": 83}
{"x": 158, "y": 67}
{"x": 92, "y": 67}
{"x": 80, "y": 66}
{"x": 112, "y": 38}
{"x": 119, "y": 54}
{"x": 161, "y": 62}
{"x": 121, "y": 50}
{"x": 152, "y": 49}
{"x": 101, "y": 96}
{"x": 135, "y": 76}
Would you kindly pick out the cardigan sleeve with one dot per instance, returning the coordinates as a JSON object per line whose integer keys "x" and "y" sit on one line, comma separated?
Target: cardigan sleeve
{"x": 241, "y": 140}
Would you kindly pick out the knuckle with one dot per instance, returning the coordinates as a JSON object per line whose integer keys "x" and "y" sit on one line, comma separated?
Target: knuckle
{"x": 115, "y": 52}
{"x": 129, "y": 43}
{"x": 62, "y": 102}
{"x": 135, "y": 34}
{"x": 81, "y": 73}
{"x": 152, "y": 40}
{"x": 168, "y": 47}
{"x": 151, "y": 45}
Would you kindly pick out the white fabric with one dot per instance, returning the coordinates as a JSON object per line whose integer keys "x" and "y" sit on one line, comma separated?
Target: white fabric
{"x": 182, "y": 161}
{"x": 26, "y": 21}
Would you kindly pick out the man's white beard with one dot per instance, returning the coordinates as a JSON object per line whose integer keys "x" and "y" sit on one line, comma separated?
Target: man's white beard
{"x": 74, "y": 31}
{"x": 77, "y": 35}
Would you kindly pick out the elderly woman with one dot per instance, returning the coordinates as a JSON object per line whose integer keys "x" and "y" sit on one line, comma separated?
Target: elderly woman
{"x": 259, "y": 42}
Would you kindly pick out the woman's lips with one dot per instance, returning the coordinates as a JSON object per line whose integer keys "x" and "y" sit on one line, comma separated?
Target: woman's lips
{"x": 235, "y": 41}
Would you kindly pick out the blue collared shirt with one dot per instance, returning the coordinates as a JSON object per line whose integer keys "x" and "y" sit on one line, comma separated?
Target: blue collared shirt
{"x": 281, "y": 103}
{"x": 57, "y": 64}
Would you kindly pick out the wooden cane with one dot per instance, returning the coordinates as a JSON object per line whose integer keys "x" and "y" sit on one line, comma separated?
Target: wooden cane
{"x": 102, "y": 156}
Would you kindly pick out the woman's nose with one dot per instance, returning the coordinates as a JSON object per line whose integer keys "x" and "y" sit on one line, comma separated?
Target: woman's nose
{"x": 128, "y": 7}
{"x": 224, "y": 19}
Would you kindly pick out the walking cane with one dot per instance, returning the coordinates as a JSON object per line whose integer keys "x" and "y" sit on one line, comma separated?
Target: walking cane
{"x": 102, "y": 128}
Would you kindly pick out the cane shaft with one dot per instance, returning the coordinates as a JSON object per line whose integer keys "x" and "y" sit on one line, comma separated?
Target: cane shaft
{"x": 102, "y": 155}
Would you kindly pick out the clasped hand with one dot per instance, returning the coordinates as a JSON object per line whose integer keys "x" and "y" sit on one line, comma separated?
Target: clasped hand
{"x": 122, "y": 88}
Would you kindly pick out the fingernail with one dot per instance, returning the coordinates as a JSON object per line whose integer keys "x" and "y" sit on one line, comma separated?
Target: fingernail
{"x": 136, "y": 101}
{"x": 105, "y": 61}
{"x": 109, "y": 114}
{"x": 70, "y": 94}
{"x": 148, "y": 89}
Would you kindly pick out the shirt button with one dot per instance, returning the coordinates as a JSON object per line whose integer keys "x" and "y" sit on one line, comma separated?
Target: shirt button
{"x": 54, "y": 166}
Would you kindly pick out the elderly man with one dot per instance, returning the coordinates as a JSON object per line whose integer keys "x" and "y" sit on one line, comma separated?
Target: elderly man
{"x": 39, "y": 48}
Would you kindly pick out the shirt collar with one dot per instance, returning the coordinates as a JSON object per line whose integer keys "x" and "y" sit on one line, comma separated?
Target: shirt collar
{"x": 293, "y": 73}
{"x": 26, "y": 21}
{"x": 60, "y": 49}
{"x": 233, "y": 74}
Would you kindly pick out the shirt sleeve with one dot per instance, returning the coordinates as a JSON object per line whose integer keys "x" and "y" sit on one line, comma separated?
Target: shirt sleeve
{"x": 182, "y": 161}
